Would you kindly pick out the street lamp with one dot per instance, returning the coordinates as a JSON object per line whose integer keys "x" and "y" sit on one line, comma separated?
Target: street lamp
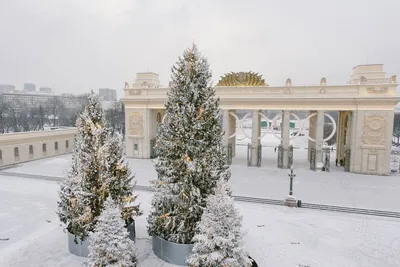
{"x": 291, "y": 175}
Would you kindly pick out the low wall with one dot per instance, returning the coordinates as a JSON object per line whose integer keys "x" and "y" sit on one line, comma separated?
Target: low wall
{"x": 26, "y": 146}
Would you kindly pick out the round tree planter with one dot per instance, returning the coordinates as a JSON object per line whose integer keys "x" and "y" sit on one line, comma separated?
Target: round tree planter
{"x": 254, "y": 262}
{"x": 171, "y": 252}
{"x": 80, "y": 248}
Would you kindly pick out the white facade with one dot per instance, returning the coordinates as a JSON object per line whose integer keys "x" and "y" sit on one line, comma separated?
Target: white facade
{"x": 366, "y": 106}
{"x": 26, "y": 146}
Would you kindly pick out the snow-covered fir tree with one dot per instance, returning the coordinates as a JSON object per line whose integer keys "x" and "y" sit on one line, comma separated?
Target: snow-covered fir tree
{"x": 109, "y": 244}
{"x": 97, "y": 168}
{"x": 190, "y": 154}
{"x": 219, "y": 235}
{"x": 79, "y": 203}
{"x": 118, "y": 180}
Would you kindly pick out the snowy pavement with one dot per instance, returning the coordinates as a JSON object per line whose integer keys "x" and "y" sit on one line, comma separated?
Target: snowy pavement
{"x": 332, "y": 188}
{"x": 276, "y": 236}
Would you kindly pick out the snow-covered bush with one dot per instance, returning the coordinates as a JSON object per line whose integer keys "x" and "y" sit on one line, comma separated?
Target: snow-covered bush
{"x": 219, "y": 235}
{"x": 109, "y": 244}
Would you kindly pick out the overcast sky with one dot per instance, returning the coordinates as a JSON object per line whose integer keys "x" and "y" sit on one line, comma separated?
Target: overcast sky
{"x": 76, "y": 45}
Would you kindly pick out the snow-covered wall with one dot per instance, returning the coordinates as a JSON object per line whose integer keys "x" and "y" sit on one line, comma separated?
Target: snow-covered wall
{"x": 26, "y": 146}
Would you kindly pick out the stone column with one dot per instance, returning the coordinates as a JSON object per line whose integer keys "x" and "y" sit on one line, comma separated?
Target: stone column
{"x": 311, "y": 133}
{"x": 255, "y": 134}
{"x": 339, "y": 138}
{"x": 319, "y": 137}
{"x": 232, "y": 126}
{"x": 225, "y": 128}
{"x": 285, "y": 134}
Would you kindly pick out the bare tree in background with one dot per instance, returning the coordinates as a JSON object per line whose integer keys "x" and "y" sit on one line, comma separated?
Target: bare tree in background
{"x": 55, "y": 108}
{"x": 115, "y": 117}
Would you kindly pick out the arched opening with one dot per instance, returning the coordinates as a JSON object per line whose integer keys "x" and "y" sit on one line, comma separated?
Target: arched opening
{"x": 30, "y": 151}
{"x": 66, "y": 144}
{"x": 1, "y": 155}
{"x": 44, "y": 147}
{"x": 16, "y": 153}
{"x": 159, "y": 118}
{"x": 55, "y": 145}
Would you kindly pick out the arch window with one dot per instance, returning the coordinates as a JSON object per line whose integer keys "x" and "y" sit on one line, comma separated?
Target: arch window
{"x": 30, "y": 150}
{"x": 16, "y": 152}
{"x": 66, "y": 144}
{"x": 44, "y": 147}
{"x": 56, "y": 145}
{"x": 1, "y": 155}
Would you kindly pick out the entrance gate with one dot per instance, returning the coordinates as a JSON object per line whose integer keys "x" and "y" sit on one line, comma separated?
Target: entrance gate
{"x": 249, "y": 155}
{"x": 228, "y": 151}
{"x": 280, "y": 157}
{"x": 290, "y": 157}
{"x": 152, "y": 149}
{"x": 347, "y": 160}
{"x": 312, "y": 159}
{"x": 326, "y": 156}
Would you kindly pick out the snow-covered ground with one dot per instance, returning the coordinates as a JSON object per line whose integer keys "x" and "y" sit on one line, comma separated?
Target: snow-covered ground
{"x": 276, "y": 236}
{"x": 335, "y": 188}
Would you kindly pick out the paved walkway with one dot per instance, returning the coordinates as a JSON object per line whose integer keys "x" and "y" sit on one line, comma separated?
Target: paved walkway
{"x": 337, "y": 187}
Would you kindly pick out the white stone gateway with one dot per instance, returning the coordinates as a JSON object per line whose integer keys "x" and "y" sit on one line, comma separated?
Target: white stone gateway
{"x": 366, "y": 107}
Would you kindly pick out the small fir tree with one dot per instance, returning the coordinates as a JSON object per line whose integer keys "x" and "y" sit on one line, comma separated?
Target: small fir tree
{"x": 97, "y": 169}
{"x": 119, "y": 184}
{"x": 219, "y": 237}
{"x": 109, "y": 244}
{"x": 190, "y": 156}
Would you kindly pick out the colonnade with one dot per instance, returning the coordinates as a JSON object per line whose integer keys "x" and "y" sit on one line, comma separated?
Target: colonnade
{"x": 315, "y": 142}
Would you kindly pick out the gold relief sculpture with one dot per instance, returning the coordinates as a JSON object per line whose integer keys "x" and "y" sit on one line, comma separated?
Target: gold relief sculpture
{"x": 242, "y": 79}
{"x": 135, "y": 123}
{"x": 374, "y": 130}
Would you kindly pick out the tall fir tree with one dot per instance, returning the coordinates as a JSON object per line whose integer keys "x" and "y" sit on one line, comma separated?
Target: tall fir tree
{"x": 190, "y": 155}
{"x": 97, "y": 163}
{"x": 80, "y": 193}
{"x": 109, "y": 244}
{"x": 219, "y": 237}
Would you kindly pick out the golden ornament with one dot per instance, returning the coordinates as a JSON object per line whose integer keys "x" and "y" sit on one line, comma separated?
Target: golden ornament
{"x": 200, "y": 113}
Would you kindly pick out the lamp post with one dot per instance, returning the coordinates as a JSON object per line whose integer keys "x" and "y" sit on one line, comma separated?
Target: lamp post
{"x": 291, "y": 175}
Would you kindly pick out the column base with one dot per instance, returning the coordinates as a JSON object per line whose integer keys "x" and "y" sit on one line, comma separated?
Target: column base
{"x": 285, "y": 157}
{"x": 254, "y": 155}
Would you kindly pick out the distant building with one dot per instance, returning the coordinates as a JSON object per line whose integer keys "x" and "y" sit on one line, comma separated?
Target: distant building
{"x": 30, "y": 100}
{"x": 46, "y": 90}
{"x": 5, "y": 88}
{"x": 107, "y": 94}
{"x": 29, "y": 87}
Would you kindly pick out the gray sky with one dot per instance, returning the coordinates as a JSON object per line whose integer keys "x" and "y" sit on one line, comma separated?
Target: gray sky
{"x": 77, "y": 45}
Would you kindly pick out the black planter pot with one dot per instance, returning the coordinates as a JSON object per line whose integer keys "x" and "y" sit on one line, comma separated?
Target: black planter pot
{"x": 254, "y": 262}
